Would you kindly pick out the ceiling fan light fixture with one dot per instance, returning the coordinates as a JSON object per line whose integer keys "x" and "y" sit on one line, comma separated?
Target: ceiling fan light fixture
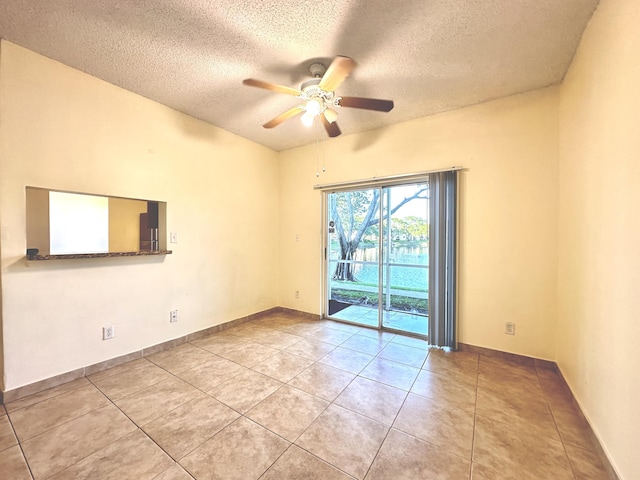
{"x": 314, "y": 106}
{"x": 307, "y": 119}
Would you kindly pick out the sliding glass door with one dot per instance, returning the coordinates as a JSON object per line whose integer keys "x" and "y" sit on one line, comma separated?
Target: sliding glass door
{"x": 405, "y": 258}
{"x": 377, "y": 257}
{"x": 353, "y": 263}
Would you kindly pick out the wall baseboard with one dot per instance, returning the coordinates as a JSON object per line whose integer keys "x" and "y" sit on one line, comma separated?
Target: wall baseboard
{"x": 549, "y": 365}
{"x": 299, "y": 313}
{"x": 602, "y": 455}
{"x": 512, "y": 357}
{"x": 48, "y": 383}
{"x": 37, "y": 387}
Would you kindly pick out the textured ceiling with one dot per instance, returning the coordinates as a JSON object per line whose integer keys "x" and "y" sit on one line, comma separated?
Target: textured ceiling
{"x": 428, "y": 56}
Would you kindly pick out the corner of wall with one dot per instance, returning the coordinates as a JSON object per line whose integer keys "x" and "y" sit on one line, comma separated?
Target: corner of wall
{"x": 2, "y": 373}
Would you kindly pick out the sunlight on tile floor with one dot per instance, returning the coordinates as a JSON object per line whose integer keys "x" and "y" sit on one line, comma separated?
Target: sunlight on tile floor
{"x": 396, "y": 320}
{"x": 283, "y": 397}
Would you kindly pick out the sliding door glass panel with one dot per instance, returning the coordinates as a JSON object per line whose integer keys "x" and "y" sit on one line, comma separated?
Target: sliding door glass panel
{"x": 405, "y": 258}
{"x": 378, "y": 271}
{"x": 353, "y": 260}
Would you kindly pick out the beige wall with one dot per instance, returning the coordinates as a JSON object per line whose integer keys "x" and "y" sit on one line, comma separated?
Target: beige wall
{"x": 68, "y": 131}
{"x": 599, "y": 247}
{"x": 124, "y": 224}
{"x": 508, "y": 250}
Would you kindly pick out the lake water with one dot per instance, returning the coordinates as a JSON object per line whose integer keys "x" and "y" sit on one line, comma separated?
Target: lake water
{"x": 408, "y": 277}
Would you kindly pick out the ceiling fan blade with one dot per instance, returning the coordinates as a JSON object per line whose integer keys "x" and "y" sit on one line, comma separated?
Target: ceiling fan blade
{"x": 272, "y": 87}
{"x": 367, "y": 103}
{"x": 292, "y": 112}
{"x": 339, "y": 69}
{"x": 332, "y": 128}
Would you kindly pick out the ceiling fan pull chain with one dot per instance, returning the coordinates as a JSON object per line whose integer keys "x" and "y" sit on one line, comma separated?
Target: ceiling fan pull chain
{"x": 318, "y": 133}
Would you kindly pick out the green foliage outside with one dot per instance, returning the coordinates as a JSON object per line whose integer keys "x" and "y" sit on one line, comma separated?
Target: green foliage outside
{"x": 367, "y": 284}
{"x": 398, "y": 302}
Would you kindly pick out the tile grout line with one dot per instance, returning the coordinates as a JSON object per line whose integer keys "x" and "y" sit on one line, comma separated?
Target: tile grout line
{"x": 243, "y": 415}
{"x": 140, "y": 427}
{"x": 69, "y": 421}
{"x": 555, "y": 423}
{"x": 317, "y": 362}
{"x": 19, "y": 444}
{"x": 293, "y": 443}
{"x": 396, "y": 415}
{"x": 475, "y": 417}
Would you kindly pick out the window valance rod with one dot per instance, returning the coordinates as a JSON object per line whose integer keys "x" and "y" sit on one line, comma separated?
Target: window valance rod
{"x": 391, "y": 180}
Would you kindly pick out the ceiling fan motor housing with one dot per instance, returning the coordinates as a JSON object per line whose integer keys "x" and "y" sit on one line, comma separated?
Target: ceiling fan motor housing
{"x": 311, "y": 90}
{"x": 310, "y": 85}
{"x": 317, "y": 70}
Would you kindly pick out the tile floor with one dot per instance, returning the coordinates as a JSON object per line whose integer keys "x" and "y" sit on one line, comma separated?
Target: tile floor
{"x": 284, "y": 397}
{"x": 396, "y": 320}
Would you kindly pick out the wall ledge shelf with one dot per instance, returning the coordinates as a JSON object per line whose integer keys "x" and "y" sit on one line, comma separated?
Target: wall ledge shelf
{"x": 69, "y": 256}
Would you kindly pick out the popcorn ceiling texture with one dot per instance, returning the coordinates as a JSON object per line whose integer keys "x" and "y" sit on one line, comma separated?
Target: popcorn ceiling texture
{"x": 428, "y": 56}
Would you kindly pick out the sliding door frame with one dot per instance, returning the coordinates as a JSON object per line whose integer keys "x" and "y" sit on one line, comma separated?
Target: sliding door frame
{"x": 406, "y": 179}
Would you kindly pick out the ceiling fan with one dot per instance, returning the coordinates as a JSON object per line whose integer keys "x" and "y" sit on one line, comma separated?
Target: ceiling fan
{"x": 318, "y": 96}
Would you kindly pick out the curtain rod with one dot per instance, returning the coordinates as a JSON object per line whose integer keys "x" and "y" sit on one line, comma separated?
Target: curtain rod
{"x": 390, "y": 179}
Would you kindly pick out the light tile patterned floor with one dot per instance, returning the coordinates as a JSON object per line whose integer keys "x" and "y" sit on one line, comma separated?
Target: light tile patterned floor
{"x": 367, "y": 315}
{"x": 288, "y": 398}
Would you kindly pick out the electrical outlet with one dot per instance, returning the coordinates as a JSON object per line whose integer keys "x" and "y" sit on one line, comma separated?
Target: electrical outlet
{"x": 297, "y": 294}
{"x": 173, "y": 316}
{"x": 510, "y": 328}
{"x": 108, "y": 332}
